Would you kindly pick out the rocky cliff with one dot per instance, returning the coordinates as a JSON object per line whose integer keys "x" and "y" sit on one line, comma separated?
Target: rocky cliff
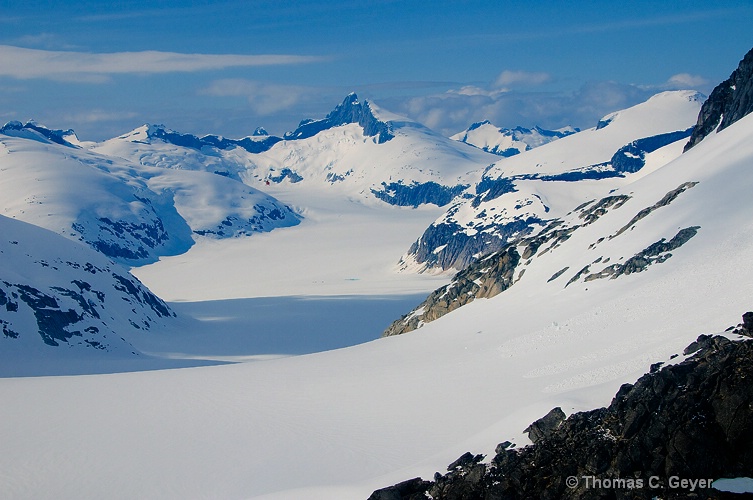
{"x": 669, "y": 435}
{"x": 729, "y": 101}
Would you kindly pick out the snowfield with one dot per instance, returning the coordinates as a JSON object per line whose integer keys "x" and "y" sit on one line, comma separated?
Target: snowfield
{"x": 341, "y": 423}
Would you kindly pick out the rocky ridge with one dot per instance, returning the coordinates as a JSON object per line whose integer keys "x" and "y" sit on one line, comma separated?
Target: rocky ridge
{"x": 495, "y": 273}
{"x": 669, "y": 435}
{"x": 728, "y": 102}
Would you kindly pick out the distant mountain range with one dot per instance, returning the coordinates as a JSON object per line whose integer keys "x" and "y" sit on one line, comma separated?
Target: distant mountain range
{"x": 509, "y": 142}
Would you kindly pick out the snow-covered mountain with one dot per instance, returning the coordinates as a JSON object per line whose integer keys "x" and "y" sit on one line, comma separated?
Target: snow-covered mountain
{"x": 509, "y": 142}
{"x": 127, "y": 211}
{"x": 639, "y": 248}
{"x": 357, "y": 151}
{"x": 58, "y": 293}
{"x": 520, "y": 195}
{"x": 340, "y": 424}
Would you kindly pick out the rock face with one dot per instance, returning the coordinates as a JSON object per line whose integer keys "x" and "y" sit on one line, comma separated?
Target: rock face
{"x": 690, "y": 421}
{"x": 62, "y": 137}
{"x": 415, "y": 193}
{"x": 729, "y": 101}
{"x": 262, "y": 142}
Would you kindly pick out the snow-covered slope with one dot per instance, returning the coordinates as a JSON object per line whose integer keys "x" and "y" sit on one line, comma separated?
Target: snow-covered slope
{"x": 60, "y": 299}
{"x": 518, "y": 195}
{"x": 340, "y": 424}
{"x": 357, "y": 151}
{"x": 128, "y": 212}
{"x": 509, "y": 142}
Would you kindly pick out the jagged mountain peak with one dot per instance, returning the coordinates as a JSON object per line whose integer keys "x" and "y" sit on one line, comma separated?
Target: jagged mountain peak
{"x": 350, "y": 110}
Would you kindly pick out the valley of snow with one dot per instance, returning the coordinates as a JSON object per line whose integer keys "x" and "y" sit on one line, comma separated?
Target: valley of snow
{"x": 341, "y": 423}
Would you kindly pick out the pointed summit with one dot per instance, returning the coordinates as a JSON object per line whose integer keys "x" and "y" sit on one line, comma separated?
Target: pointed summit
{"x": 351, "y": 110}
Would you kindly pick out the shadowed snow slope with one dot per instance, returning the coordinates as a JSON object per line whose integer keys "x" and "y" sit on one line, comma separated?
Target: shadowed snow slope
{"x": 131, "y": 213}
{"x": 65, "y": 308}
{"x": 342, "y": 423}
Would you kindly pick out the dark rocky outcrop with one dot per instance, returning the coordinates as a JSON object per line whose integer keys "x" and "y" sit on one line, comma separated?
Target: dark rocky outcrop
{"x": 729, "y": 101}
{"x": 692, "y": 420}
{"x": 632, "y": 157}
{"x": 415, "y": 193}
{"x": 666, "y": 200}
{"x": 447, "y": 245}
{"x": 490, "y": 277}
{"x": 257, "y": 145}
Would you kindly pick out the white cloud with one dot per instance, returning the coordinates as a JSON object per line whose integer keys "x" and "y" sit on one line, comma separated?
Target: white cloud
{"x": 264, "y": 99}
{"x": 99, "y": 116}
{"x": 25, "y": 63}
{"x": 686, "y": 81}
{"x": 521, "y": 78}
{"x": 471, "y": 90}
{"x": 455, "y": 110}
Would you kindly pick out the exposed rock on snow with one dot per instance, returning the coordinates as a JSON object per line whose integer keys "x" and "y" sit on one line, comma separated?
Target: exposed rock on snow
{"x": 485, "y": 279}
{"x": 495, "y": 273}
{"x": 692, "y": 420}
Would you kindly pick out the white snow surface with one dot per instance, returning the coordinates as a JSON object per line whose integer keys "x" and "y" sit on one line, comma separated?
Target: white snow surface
{"x": 341, "y": 423}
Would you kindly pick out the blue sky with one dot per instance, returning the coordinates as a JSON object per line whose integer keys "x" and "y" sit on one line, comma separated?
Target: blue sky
{"x": 227, "y": 66}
